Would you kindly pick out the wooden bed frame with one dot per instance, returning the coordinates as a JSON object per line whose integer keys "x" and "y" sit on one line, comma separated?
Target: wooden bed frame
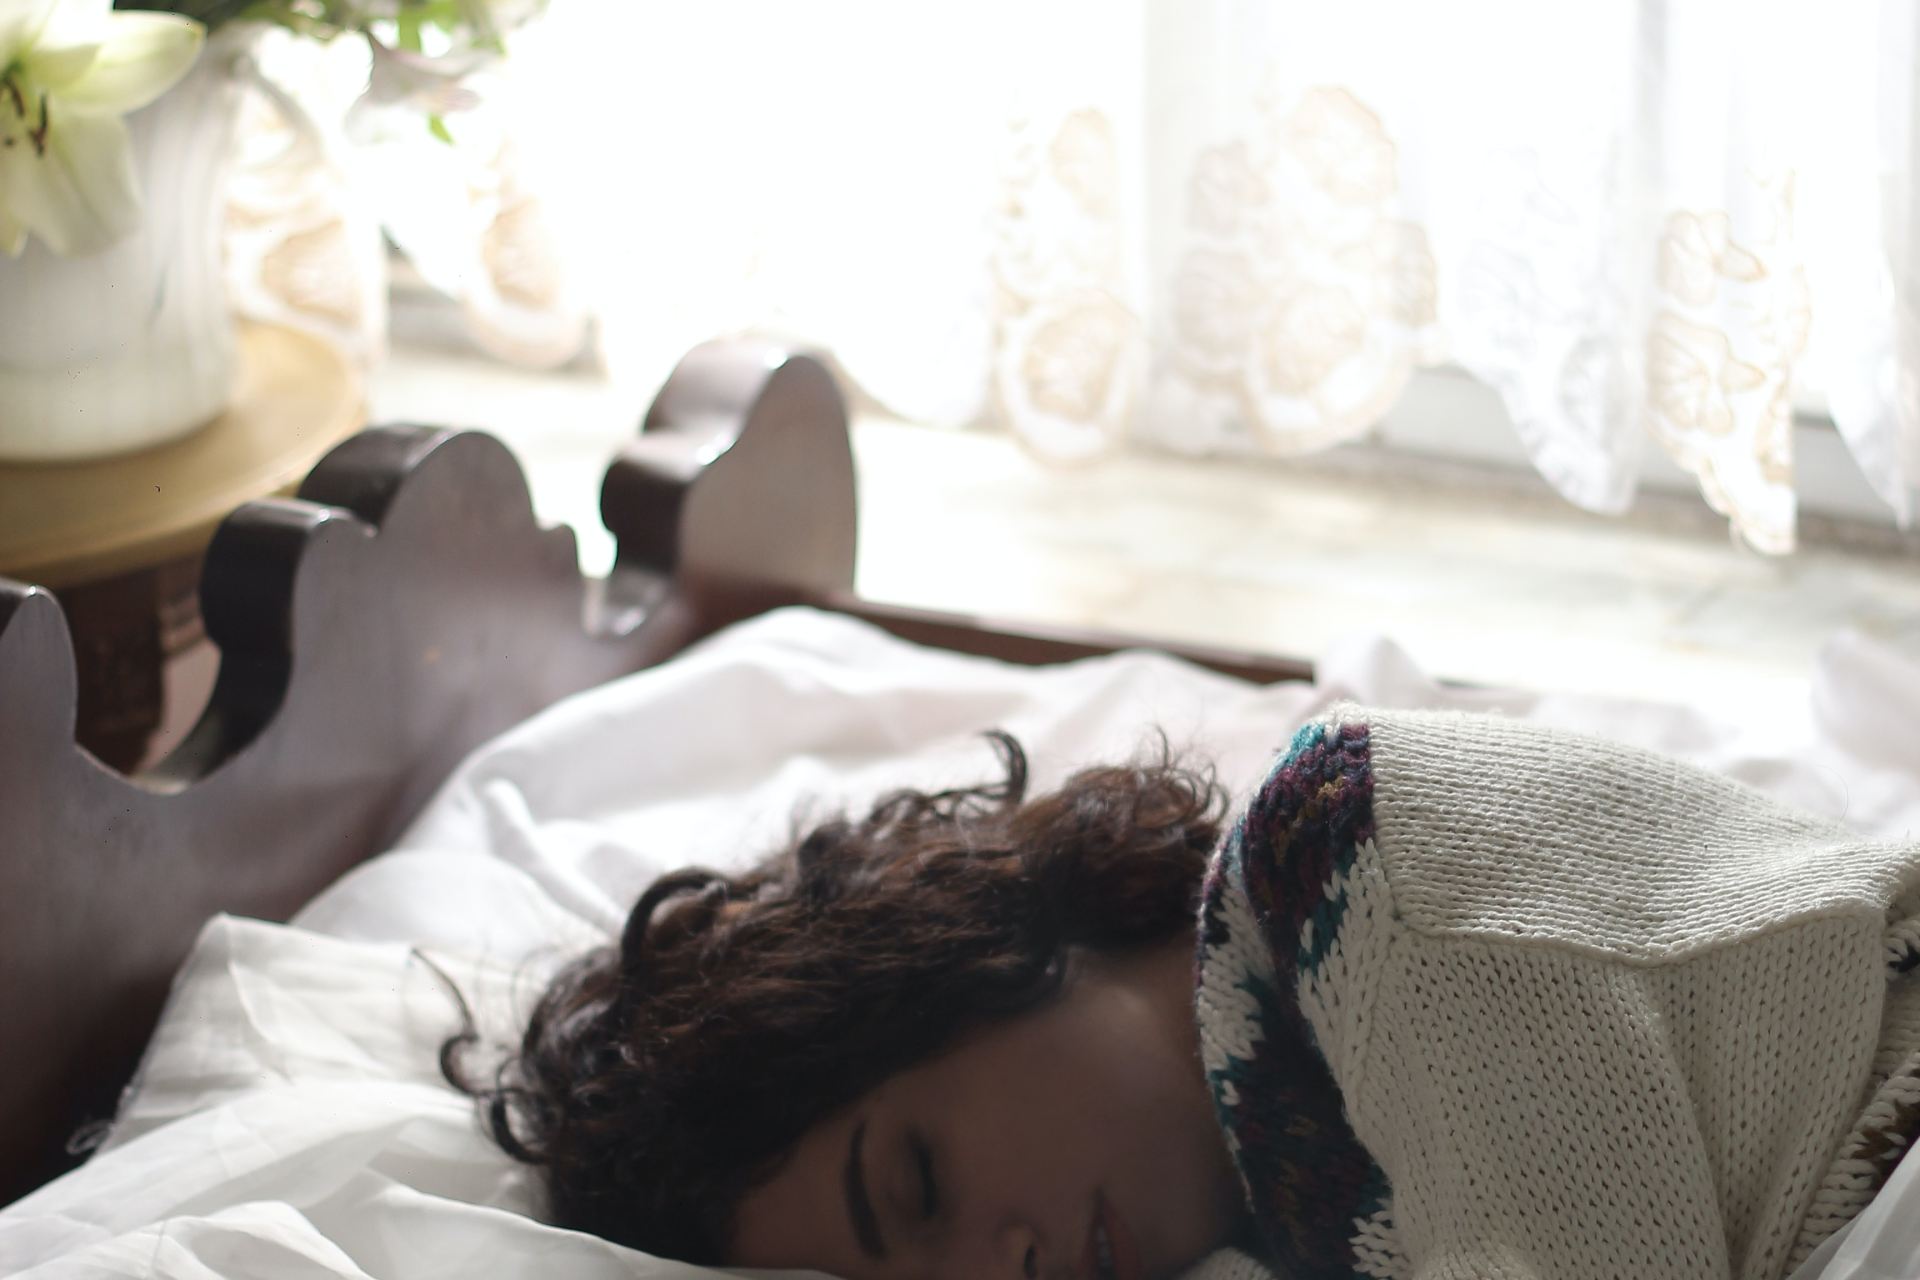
{"x": 403, "y": 608}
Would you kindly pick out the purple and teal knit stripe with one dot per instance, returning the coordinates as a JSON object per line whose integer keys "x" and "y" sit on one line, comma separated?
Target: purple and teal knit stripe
{"x": 1309, "y": 1178}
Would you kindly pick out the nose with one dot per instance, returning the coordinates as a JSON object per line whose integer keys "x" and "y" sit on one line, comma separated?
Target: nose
{"x": 1019, "y": 1254}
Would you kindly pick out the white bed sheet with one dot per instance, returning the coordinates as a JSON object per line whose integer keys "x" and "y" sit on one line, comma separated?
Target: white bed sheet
{"x": 289, "y": 1118}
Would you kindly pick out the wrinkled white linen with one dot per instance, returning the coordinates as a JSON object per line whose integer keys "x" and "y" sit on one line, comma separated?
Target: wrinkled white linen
{"x": 290, "y": 1120}
{"x": 1883, "y": 1243}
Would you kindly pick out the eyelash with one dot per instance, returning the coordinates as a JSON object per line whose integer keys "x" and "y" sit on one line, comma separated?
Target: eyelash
{"x": 923, "y": 1160}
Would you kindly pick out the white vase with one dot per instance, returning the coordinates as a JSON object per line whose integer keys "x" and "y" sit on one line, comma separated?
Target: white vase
{"x": 132, "y": 346}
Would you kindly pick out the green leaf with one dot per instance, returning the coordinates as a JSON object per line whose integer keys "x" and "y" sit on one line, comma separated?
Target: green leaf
{"x": 444, "y": 14}
{"x": 438, "y": 128}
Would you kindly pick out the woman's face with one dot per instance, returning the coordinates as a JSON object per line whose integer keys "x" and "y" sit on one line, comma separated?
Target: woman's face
{"x": 1036, "y": 1150}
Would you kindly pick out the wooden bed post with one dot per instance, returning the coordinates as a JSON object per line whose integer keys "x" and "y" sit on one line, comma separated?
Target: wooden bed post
{"x": 767, "y": 524}
{"x": 402, "y": 609}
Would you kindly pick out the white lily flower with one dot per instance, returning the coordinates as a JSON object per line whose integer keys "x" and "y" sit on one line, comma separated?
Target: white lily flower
{"x": 433, "y": 84}
{"x": 69, "y": 69}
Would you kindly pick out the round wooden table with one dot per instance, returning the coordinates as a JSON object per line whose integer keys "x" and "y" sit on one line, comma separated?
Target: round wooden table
{"x": 119, "y": 540}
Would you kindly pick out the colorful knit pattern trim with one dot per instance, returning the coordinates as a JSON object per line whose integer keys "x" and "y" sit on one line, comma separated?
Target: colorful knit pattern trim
{"x": 1310, "y": 1183}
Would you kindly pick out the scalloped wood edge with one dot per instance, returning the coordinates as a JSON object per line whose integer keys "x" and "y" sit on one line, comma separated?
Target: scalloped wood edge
{"x": 402, "y": 609}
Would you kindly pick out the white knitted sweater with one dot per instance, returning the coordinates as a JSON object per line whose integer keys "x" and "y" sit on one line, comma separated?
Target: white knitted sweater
{"x": 1481, "y": 999}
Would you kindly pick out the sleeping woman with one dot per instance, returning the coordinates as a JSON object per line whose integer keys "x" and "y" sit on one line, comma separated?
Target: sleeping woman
{"x": 1449, "y": 997}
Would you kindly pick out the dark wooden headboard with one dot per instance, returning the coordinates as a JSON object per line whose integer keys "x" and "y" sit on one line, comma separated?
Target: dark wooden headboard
{"x": 403, "y": 608}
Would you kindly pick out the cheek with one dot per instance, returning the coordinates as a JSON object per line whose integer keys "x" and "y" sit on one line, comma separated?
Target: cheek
{"x": 1091, "y": 1085}
{"x": 1137, "y": 1100}
{"x": 1121, "y": 1061}
{"x": 797, "y": 1219}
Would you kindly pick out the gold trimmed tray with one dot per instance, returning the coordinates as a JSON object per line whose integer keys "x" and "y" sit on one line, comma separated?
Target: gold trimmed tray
{"x": 72, "y": 522}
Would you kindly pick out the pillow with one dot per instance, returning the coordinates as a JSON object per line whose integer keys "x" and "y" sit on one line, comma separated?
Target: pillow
{"x": 289, "y": 1119}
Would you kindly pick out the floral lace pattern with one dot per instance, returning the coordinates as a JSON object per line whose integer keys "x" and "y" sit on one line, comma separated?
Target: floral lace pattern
{"x": 1218, "y": 225}
{"x": 306, "y": 213}
{"x": 1300, "y": 300}
{"x": 1296, "y": 309}
{"x": 1299, "y": 303}
{"x": 300, "y": 250}
{"x": 1616, "y": 232}
{"x": 1733, "y": 318}
{"x": 1068, "y": 349}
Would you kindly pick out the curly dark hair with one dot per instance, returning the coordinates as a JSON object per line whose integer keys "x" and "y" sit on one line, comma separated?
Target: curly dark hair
{"x": 661, "y": 1080}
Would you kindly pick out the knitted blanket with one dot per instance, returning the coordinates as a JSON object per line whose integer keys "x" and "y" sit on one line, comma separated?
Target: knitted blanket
{"x": 1481, "y": 999}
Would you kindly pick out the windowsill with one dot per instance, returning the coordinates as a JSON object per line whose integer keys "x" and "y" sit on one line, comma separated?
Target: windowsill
{"x": 1482, "y": 576}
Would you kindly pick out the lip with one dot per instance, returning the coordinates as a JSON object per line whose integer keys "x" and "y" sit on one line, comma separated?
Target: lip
{"x": 1126, "y": 1252}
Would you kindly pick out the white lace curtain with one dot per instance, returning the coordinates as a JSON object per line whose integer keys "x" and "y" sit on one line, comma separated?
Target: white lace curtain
{"x": 1242, "y": 225}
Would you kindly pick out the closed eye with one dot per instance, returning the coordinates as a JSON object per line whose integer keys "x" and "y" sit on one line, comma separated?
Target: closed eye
{"x": 923, "y": 1163}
